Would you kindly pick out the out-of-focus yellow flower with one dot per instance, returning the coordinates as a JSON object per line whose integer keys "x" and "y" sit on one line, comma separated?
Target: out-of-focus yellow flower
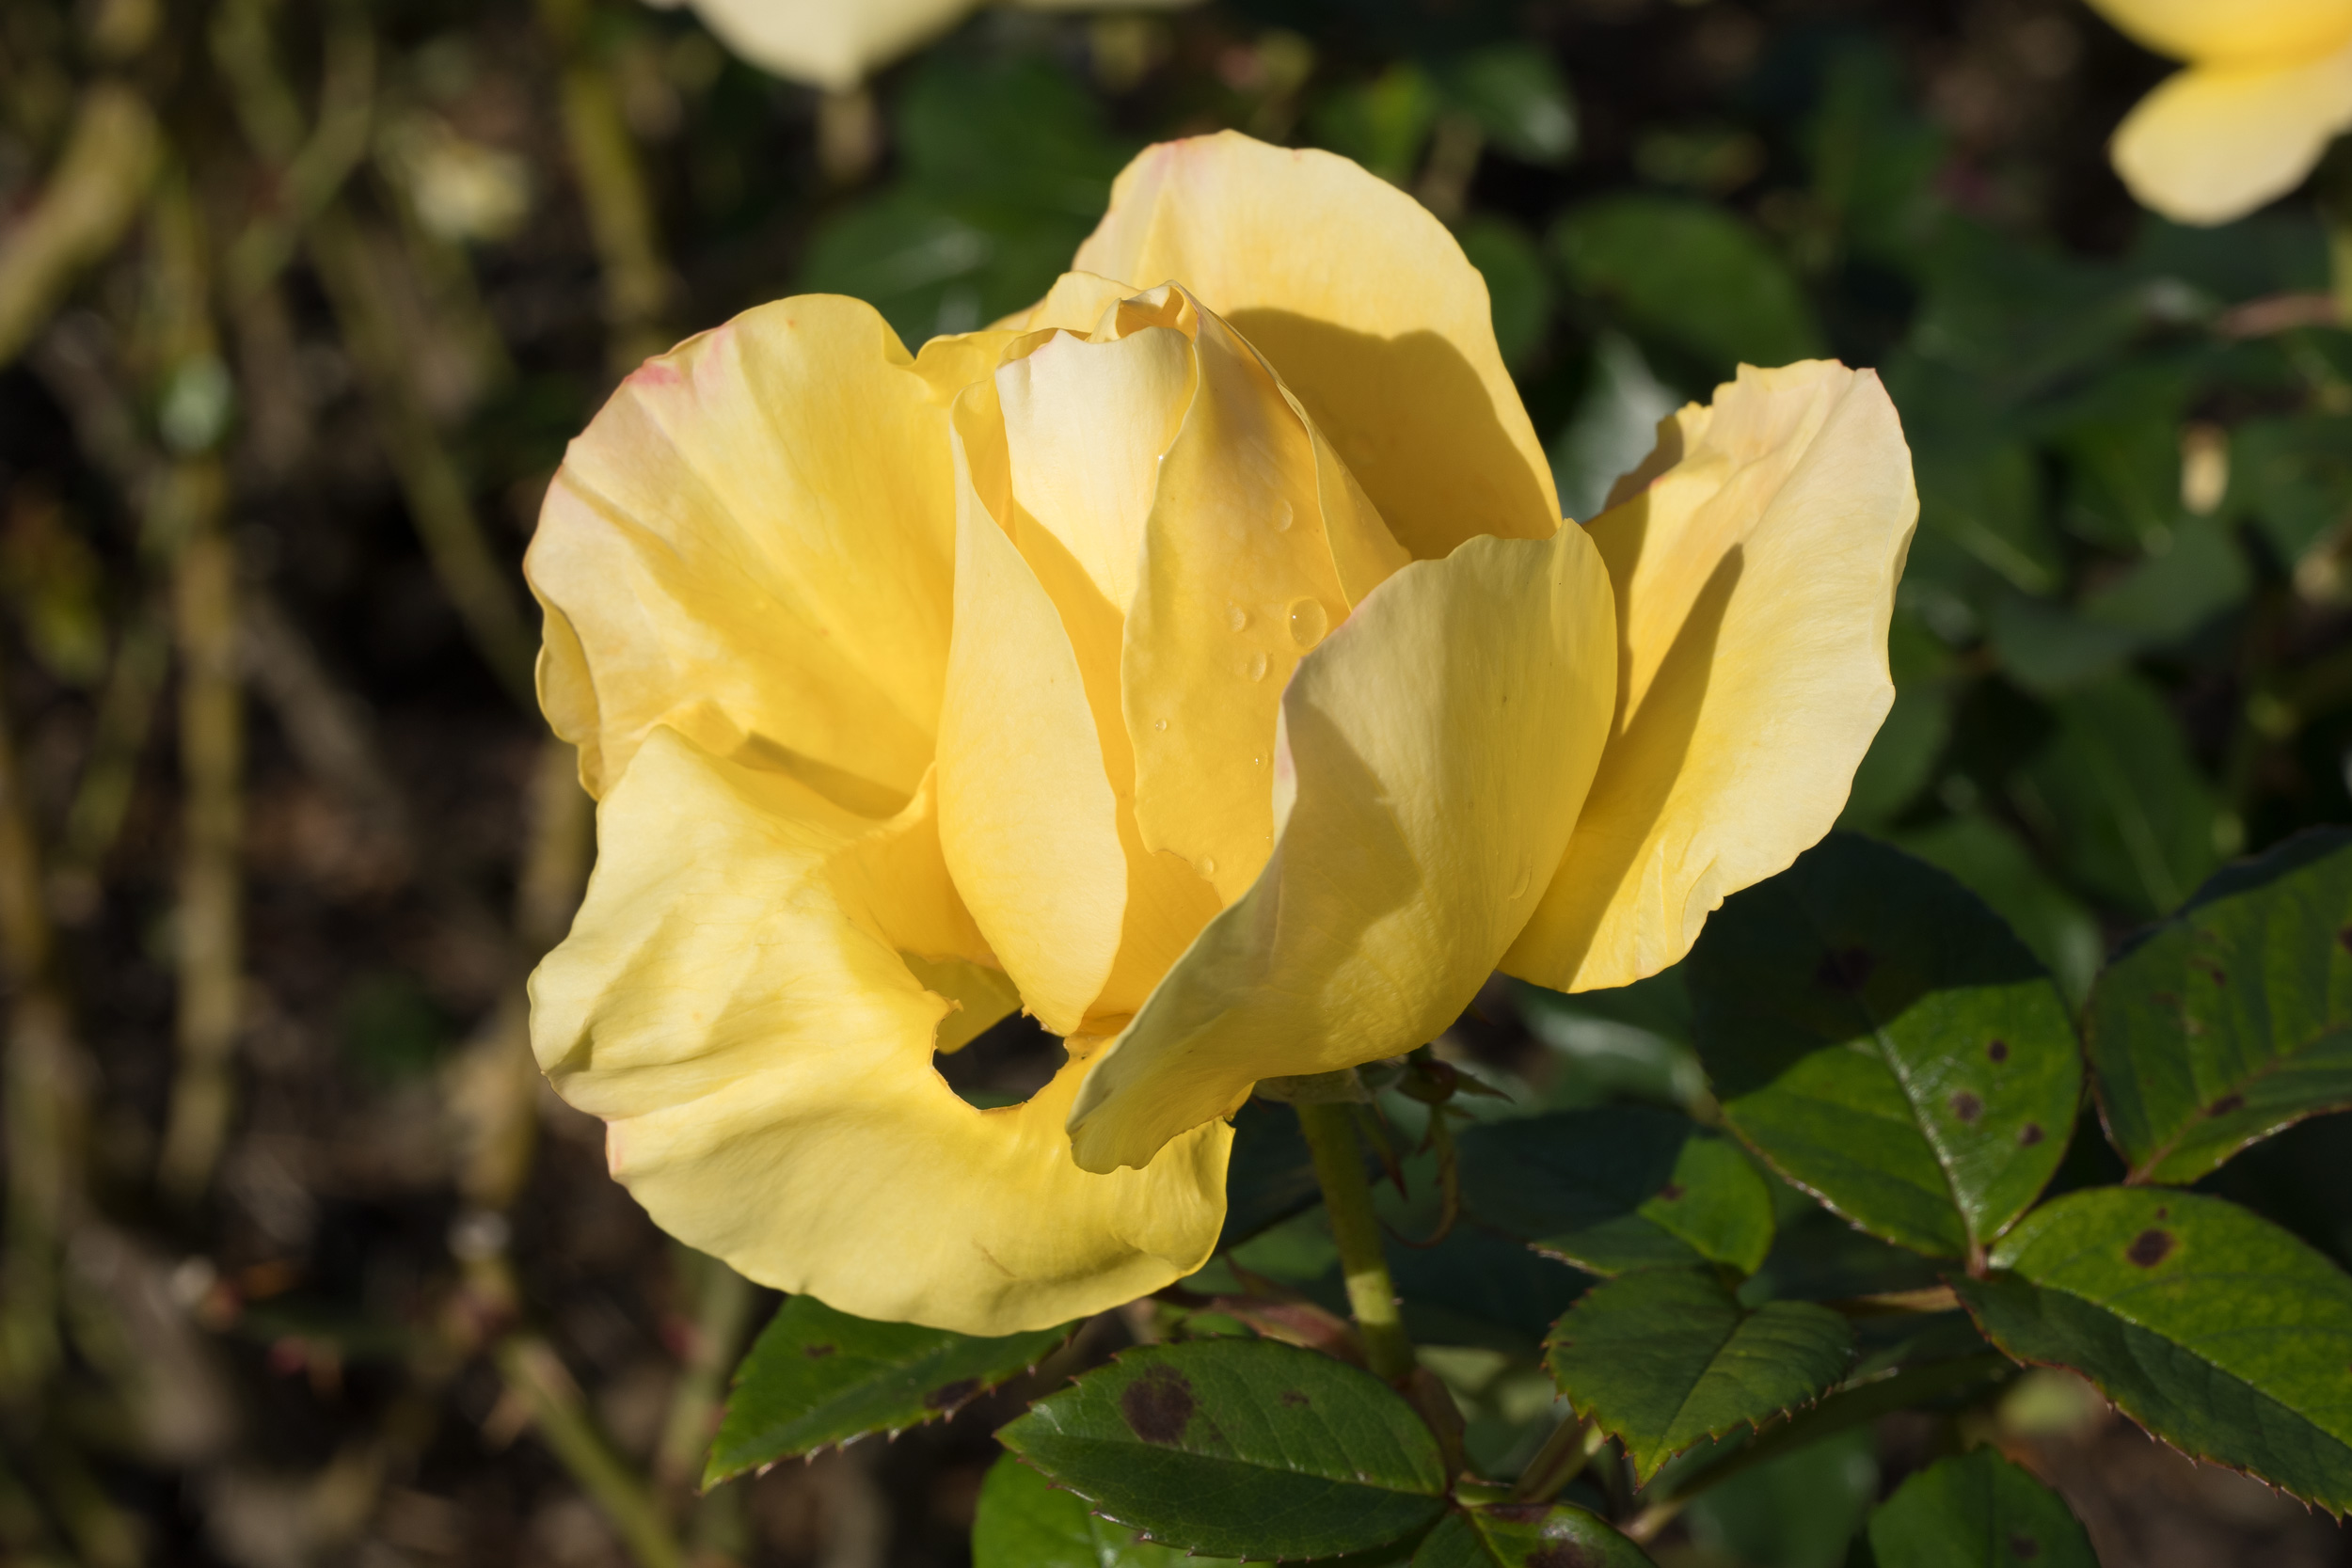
{"x": 1196, "y": 660}
{"x": 834, "y": 43}
{"x": 2268, "y": 84}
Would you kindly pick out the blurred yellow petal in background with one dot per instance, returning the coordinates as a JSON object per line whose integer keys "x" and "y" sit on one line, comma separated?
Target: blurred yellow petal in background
{"x": 2269, "y": 86}
{"x": 836, "y": 43}
{"x": 2223, "y": 32}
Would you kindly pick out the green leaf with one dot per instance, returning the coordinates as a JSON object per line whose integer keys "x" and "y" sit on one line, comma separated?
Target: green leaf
{"x": 1476, "y": 1288}
{"x": 1977, "y": 1510}
{"x": 1519, "y": 287}
{"x": 1270, "y": 1175}
{"x": 2213, "y": 1328}
{"x": 1902, "y": 756}
{"x": 1526, "y": 1535}
{"x": 1613, "y": 427}
{"x": 1802, "y": 1510}
{"x": 1381, "y": 123}
{"x": 1988, "y": 859}
{"x": 1881, "y": 1038}
{"x": 2131, "y": 816}
{"x": 1517, "y": 96}
{"x": 1629, "y": 1041}
{"x": 817, "y": 1377}
{"x": 2288, "y": 477}
{"x": 2233, "y": 1020}
{"x": 2048, "y": 649}
{"x": 1664, "y": 1359}
{"x": 1026, "y": 1522}
{"x": 1691, "y": 274}
{"x": 1619, "y": 1189}
{"x": 1004, "y": 166}
{"x": 2166, "y": 596}
{"x": 1239, "y": 1447}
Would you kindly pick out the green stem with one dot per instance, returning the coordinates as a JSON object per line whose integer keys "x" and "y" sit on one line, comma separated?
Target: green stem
{"x": 1347, "y": 1197}
{"x": 1561, "y": 1460}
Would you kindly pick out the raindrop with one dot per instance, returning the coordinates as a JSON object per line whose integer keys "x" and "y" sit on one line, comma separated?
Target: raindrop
{"x": 1159, "y": 723}
{"x": 1206, "y": 866}
{"x": 1257, "y": 762}
{"x": 1282, "y": 517}
{"x": 1309, "y": 622}
{"x": 1255, "y": 669}
{"x": 1236, "y": 617}
{"x": 1526, "y": 875}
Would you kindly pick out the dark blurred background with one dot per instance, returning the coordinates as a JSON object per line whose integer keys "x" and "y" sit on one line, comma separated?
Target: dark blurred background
{"x": 298, "y": 306}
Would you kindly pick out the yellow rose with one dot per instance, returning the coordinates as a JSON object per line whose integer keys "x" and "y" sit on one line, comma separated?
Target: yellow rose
{"x": 1197, "y": 661}
{"x": 2269, "y": 84}
{"x": 834, "y": 43}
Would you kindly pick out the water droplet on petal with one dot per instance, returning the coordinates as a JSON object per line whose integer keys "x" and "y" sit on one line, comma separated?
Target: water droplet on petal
{"x": 1257, "y": 762}
{"x": 1236, "y": 617}
{"x": 1525, "y": 876}
{"x": 1159, "y": 723}
{"x": 1255, "y": 669}
{"x": 1206, "y": 866}
{"x": 1282, "y": 517}
{"x": 1309, "y": 622}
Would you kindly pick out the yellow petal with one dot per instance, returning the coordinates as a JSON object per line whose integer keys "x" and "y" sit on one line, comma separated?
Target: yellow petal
{"x": 1084, "y": 425}
{"x": 1367, "y": 309}
{"x": 1753, "y": 559}
{"x": 2218, "y": 31}
{"x": 1026, "y": 817}
{"x": 1434, "y": 753}
{"x": 1239, "y": 579}
{"x": 753, "y": 543}
{"x": 732, "y": 1001}
{"x": 1075, "y": 303}
{"x": 2213, "y": 144}
{"x": 826, "y": 43}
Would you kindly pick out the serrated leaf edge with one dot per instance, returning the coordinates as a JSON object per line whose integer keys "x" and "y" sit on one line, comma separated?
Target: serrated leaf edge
{"x": 1785, "y": 1413}
{"x": 2184, "y": 1451}
{"x": 712, "y": 1478}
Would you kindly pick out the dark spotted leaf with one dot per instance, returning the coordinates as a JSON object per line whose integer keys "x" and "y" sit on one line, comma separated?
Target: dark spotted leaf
{"x": 817, "y": 1377}
{"x": 1619, "y": 1189}
{"x": 1977, "y": 1510}
{"x": 1880, "y": 1037}
{"x": 2233, "y": 1019}
{"x": 1026, "y": 1522}
{"x": 1667, "y": 1358}
{"x": 1526, "y": 1535}
{"x": 1244, "y": 1447}
{"x": 2213, "y": 1328}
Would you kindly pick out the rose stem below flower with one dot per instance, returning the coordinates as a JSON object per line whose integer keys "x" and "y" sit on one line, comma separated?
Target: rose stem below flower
{"x": 1348, "y": 1197}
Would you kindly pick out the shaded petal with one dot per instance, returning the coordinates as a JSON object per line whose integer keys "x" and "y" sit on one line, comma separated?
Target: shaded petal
{"x": 2239, "y": 30}
{"x": 1239, "y": 579}
{"x": 1754, "y": 559}
{"x": 1028, "y": 819}
{"x": 826, "y": 43}
{"x": 733, "y": 1003}
{"x": 753, "y": 544}
{"x": 1366, "y": 308}
{"x": 2213, "y": 144}
{"x": 1434, "y": 754}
